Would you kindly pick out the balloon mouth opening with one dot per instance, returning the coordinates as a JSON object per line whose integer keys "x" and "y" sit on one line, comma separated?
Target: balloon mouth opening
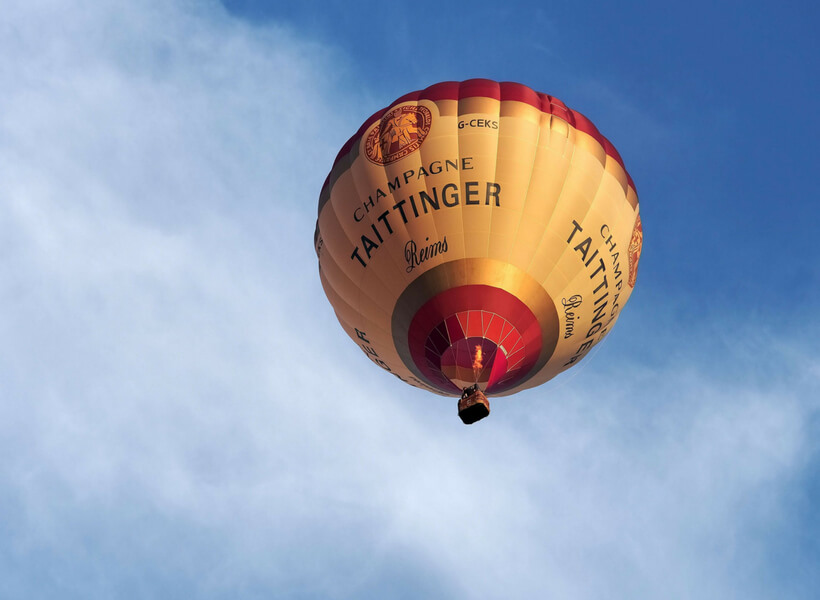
{"x": 478, "y": 347}
{"x": 472, "y": 334}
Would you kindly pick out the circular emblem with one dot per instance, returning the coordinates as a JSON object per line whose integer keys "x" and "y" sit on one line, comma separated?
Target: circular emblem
{"x": 635, "y": 245}
{"x": 399, "y": 132}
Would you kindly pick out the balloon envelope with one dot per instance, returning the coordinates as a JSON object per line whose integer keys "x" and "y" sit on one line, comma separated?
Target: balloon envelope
{"x": 478, "y": 232}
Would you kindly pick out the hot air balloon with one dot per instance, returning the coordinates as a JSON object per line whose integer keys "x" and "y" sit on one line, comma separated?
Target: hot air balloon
{"x": 477, "y": 238}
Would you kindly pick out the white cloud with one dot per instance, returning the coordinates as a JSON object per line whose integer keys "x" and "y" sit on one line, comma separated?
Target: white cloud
{"x": 180, "y": 415}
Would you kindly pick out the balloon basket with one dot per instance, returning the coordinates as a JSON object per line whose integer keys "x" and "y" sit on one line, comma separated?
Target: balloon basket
{"x": 473, "y": 405}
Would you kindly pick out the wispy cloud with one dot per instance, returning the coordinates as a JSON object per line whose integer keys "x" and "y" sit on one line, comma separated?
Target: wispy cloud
{"x": 180, "y": 415}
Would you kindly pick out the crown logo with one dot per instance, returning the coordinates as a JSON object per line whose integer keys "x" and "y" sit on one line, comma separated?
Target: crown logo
{"x": 634, "y": 251}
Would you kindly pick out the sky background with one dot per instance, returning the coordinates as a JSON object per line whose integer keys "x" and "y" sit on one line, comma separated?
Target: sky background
{"x": 182, "y": 417}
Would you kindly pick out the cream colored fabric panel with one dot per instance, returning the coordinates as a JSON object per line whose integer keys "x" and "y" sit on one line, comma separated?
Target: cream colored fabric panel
{"x": 440, "y": 154}
{"x": 519, "y": 131}
{"x": 376, "y": 218}
{"x": 380, "y": 350}
{"x": 590, "y": 302}
{"x": 535, "y": 249}
{"x": 480, "y": 146}
{"x": 373, "y": 322}
{"x": 338, "y": 247}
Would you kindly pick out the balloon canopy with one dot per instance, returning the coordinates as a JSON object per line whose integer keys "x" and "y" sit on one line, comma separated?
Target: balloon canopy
{"x": 478, "y": 232}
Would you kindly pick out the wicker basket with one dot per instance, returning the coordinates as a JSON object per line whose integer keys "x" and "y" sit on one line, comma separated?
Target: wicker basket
{"x": 473, "y": 405}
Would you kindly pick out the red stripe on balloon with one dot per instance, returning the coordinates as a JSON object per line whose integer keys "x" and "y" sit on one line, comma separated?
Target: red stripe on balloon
{"x": 486, "y": 88}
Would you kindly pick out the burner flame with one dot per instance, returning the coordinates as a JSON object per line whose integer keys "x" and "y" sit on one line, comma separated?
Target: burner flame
{"x": 477, "y": 362}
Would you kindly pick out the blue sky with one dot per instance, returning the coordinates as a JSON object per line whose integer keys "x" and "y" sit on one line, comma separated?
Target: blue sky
{"x": 166, "y": 428}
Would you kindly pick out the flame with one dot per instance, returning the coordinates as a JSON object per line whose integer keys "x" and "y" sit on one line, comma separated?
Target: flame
{"x": 477, "y": 362}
